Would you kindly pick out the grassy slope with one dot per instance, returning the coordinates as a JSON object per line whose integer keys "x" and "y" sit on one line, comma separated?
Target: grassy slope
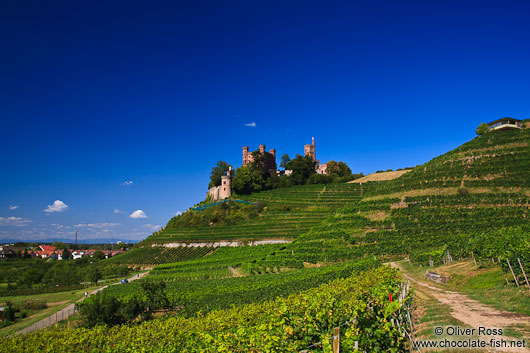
{"x": 425, "y": 208}
{"x": 290, "y": 212}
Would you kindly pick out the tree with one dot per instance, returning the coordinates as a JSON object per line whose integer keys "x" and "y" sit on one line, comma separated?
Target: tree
{"x": 101, "y": 309}
{"x": 31, "y": 276}
{"x": 302, "y": 167}
{"x": 66, "y": 254}
{"x": 218, "y": 171}
{"x": 155, "y": 294}
{"x": 93, "y": 274}
{"x": 319, "y": 179}
{"x": 284, "y": 161}
{"x": 258, "y": 175}
{"x": 337, "y": 169}
{"x": 99, "y": 255}
{"x": 59, "y": 245}
{"x": 482, "y": 129}
{"x": 242, "y": 182}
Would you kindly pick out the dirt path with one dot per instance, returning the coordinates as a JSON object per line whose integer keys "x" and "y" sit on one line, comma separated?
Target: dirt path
{"x": 236, "y": 272}
{"x": 70, "y": 309}
{"x": 471, "y": 312}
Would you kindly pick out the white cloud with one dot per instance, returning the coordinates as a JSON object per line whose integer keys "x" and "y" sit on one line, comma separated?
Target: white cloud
{"x": 60, "y": 226}
{"x": 252, "y": 124}
{"x": 96, "y": 225}
{"x": 178, "y": 213}
{"x": 13, "y": 207}
{"x": 127, "y": 183}
{"x": 13, "y": 221}
{"x": 138, "y": 214}
{"x": 152, "y": 227}
{"x": 57, "y": 206}
{"x": 116, "y": 211}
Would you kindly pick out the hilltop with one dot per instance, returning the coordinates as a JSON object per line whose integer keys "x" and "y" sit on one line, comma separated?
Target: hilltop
{"x": 484, "y": 178}
{"x": 480, "y": 186}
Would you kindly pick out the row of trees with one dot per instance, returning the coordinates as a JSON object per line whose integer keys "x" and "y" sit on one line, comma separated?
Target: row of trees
{"x": 109, "y": 310}
{"x": 261, "y": 174}
{"x": 40, "y": 274}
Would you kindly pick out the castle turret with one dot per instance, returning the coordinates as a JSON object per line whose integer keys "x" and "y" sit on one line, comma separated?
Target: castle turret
{"x": 309, "y": 150}
{"x": 261, "y": 149}
{"x": 246, "y": 155}
{"x": 273, "y": 152}
{"x": 225, "y": 189}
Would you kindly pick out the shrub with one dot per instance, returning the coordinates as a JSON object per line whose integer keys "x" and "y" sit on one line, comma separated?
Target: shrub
{"x": 319, "y": 179}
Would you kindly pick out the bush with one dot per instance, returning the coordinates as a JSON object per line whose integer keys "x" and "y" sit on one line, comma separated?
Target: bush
{"x": 482, "y": 129}
{"x": 319, "y": 179}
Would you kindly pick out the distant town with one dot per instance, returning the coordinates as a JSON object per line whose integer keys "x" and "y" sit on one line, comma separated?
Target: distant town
{"x": 59, "y": 251}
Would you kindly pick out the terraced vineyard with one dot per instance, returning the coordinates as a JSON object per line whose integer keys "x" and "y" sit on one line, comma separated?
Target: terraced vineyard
{"x": 289, "y": 212}
{"x": 496, "y": 160}
{"x": 159, "y": 255}
{"x": 327, "y": 197}
{"x": 206, "y": 294}
{"x": 478, "y": 188}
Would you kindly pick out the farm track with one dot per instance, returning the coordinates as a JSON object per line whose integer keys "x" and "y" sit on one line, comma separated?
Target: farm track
{"x": 469, "y": 311}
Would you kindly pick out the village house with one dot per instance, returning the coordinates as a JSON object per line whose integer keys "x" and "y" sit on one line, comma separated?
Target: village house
{"x": 505, "y": 124}
{"x": 50, "y": 252}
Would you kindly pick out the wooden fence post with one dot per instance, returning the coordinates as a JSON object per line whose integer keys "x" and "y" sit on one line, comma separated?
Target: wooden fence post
{"x": 524, "y": 273}
{"x": 513, "y": 274}
{"x": 336, "y": 340}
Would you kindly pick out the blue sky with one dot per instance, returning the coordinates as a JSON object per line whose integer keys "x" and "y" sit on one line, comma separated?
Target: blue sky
{"x": 97, "y": 94}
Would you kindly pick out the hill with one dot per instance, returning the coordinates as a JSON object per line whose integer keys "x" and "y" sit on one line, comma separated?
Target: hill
{"x": 480, "y": 185}
{"x": 287, "y": 213}
{"x": 470, "y": 203}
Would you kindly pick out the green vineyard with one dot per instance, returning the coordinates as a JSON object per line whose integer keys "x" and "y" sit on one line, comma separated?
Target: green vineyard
{"x": 358, "y": 303}
{"x": 149, "y": 255}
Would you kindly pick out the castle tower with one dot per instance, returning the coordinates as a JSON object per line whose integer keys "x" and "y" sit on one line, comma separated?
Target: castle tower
{"x": 273, "y": 152}
{"x": 225, "y": 189}
{"x": 309, "y": 150}
{"x": 246, "y": 155}
{"x": 261, "y": 149}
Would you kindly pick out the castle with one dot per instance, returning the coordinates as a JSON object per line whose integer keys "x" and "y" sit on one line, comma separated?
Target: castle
{"x": 249, "y": 158}
{"x": 310, "y": 150}
{"x": 224, "y": 190}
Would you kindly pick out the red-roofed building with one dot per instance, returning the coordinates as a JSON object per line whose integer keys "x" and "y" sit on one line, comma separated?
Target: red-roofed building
{"x": 46, "y": 251}
{"x": 47, "y": 247}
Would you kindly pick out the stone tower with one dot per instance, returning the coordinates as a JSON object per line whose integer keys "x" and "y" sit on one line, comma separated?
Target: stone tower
{"x": 225, "y": 189}
{"x": 246, "y": 156}
{"x": 309, "y": 150}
